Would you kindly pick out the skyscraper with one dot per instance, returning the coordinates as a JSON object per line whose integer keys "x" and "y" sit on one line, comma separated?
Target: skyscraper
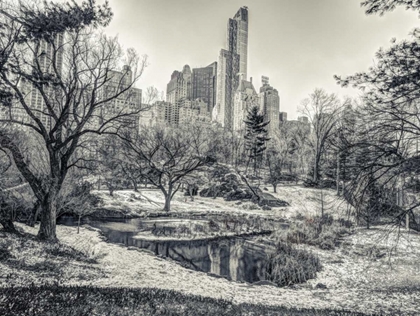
{"x": 204, "y": 85}
{"x": 232, "y": 65}
{"x": 177, "y": 89}
{"x": 49, "y": 60}
{"x": 227, "y": 83}
{"x": 245, "y": 98}
{"x": 270, "y": 107}
{"x": 128, "y": 102}
{"x": 237, "y": 38}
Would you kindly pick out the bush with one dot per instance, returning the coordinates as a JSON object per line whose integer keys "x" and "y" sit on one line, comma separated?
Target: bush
{"x": 5, "y": 254}
{"x": 323, "y": 232}
{"x": 288, "y": 265}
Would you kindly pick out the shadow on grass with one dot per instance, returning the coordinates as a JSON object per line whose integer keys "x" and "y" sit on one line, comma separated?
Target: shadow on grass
{"x": 48, "y": 300}
{"x": 25, "y": 253}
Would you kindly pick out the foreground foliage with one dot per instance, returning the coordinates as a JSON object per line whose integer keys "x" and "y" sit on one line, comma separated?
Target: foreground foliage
{"x": 83, "y": 300}
{"x": 321, "y": 231}
{"x": 289, "y": 265}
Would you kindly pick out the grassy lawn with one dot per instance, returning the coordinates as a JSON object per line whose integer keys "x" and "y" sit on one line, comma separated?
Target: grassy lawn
{"x": 94, "y": 277}
{"x": 58, "y": 300}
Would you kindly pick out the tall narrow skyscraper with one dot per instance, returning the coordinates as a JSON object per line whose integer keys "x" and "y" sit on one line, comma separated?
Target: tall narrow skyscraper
{"x": 237, "y": 38}
{"x": 232, "y": 66}
{"x": 227, "y": 83}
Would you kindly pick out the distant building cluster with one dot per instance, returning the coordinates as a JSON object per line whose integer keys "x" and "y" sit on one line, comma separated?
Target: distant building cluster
{"x": 302, "y": 122}
{"x": 125, "y": 108}
{"x": 220, "y": 92}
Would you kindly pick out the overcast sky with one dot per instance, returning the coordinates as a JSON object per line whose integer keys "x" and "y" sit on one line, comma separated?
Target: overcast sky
{"x": 298, "y": 44}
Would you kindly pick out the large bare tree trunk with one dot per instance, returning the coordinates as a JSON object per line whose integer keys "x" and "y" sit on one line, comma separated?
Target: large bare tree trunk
{"x": 167, "y": 206}
{"x": 168, "y": 198}
{"x": 47, "y": 229}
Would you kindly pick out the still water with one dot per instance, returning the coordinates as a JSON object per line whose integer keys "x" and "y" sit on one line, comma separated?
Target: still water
{"x": 235, "y": 258}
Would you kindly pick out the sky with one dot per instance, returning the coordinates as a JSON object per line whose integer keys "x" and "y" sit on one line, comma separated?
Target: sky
{"x": 298, "y": 44}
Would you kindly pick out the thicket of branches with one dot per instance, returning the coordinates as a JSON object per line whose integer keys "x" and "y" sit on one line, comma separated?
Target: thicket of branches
{"x": 58, "y": 54}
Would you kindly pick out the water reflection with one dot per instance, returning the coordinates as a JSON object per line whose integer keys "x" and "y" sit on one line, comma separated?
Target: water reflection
{"x": 239, "y": 259}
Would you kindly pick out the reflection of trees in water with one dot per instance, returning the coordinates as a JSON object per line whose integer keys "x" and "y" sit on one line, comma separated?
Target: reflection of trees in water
{"x": 225, "y": 261}
{"x": 236, "y": 253}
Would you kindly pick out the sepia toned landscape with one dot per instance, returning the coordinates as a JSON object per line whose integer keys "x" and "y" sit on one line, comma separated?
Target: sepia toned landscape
{"x": 215, "y": 193}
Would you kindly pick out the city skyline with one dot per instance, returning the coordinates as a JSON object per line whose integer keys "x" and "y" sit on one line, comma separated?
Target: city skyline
{"x": 299, "y": 45}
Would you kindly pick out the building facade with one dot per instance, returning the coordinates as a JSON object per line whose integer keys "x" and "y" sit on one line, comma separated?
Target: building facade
{"x": 232, "y": 68}
{"x": 283, "y": 117}
{"x": 49, "y": 60}
{"x": 154, "y": 114}
{"x": 180, "y": 87}
{"x": 204, "y": 85}
{"x": 270, "y": 107}
{"x": 126, "y": 107}
{"x": 245, "y": 98}
{"x": 237, "y": 38}
{"x": 227, "y": 83}
{"x": 194, "y": 111}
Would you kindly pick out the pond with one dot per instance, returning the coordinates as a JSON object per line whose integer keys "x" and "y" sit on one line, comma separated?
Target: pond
{"x": 235, "y": 258}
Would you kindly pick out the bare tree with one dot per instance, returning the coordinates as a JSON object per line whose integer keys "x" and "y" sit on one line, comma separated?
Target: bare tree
{"x": 390, "y": 119}
{"x": 165, "y": 156}
{"x": 58, "y": 78}
{"x": 322, "y": 109}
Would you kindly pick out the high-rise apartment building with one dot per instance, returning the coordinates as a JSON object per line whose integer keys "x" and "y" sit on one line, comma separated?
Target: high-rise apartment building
{"x": 232, "y": 67}
{"x": 245, "y": 98}
{"x": 227, "y": 83}
{"x": 193, "y": 111}
{"x": 237, "y": 38}
{"x": 49, "y": 61}
{"x": 126, "y": 107}
{"x": 154, "y": 114}
{"x": 204, "y": 85}
{"x": 270, "y": 107}
{"x": 180, "y": 87}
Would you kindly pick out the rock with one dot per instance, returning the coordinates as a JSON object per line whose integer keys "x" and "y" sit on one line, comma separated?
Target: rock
{"x": 272, "y": 201}
{"x": 320, "y": 286}
{"x": 265, "y": 189}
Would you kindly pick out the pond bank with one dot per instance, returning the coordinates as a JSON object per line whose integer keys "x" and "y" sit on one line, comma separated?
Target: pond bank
{"x": 352, "y": 282}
